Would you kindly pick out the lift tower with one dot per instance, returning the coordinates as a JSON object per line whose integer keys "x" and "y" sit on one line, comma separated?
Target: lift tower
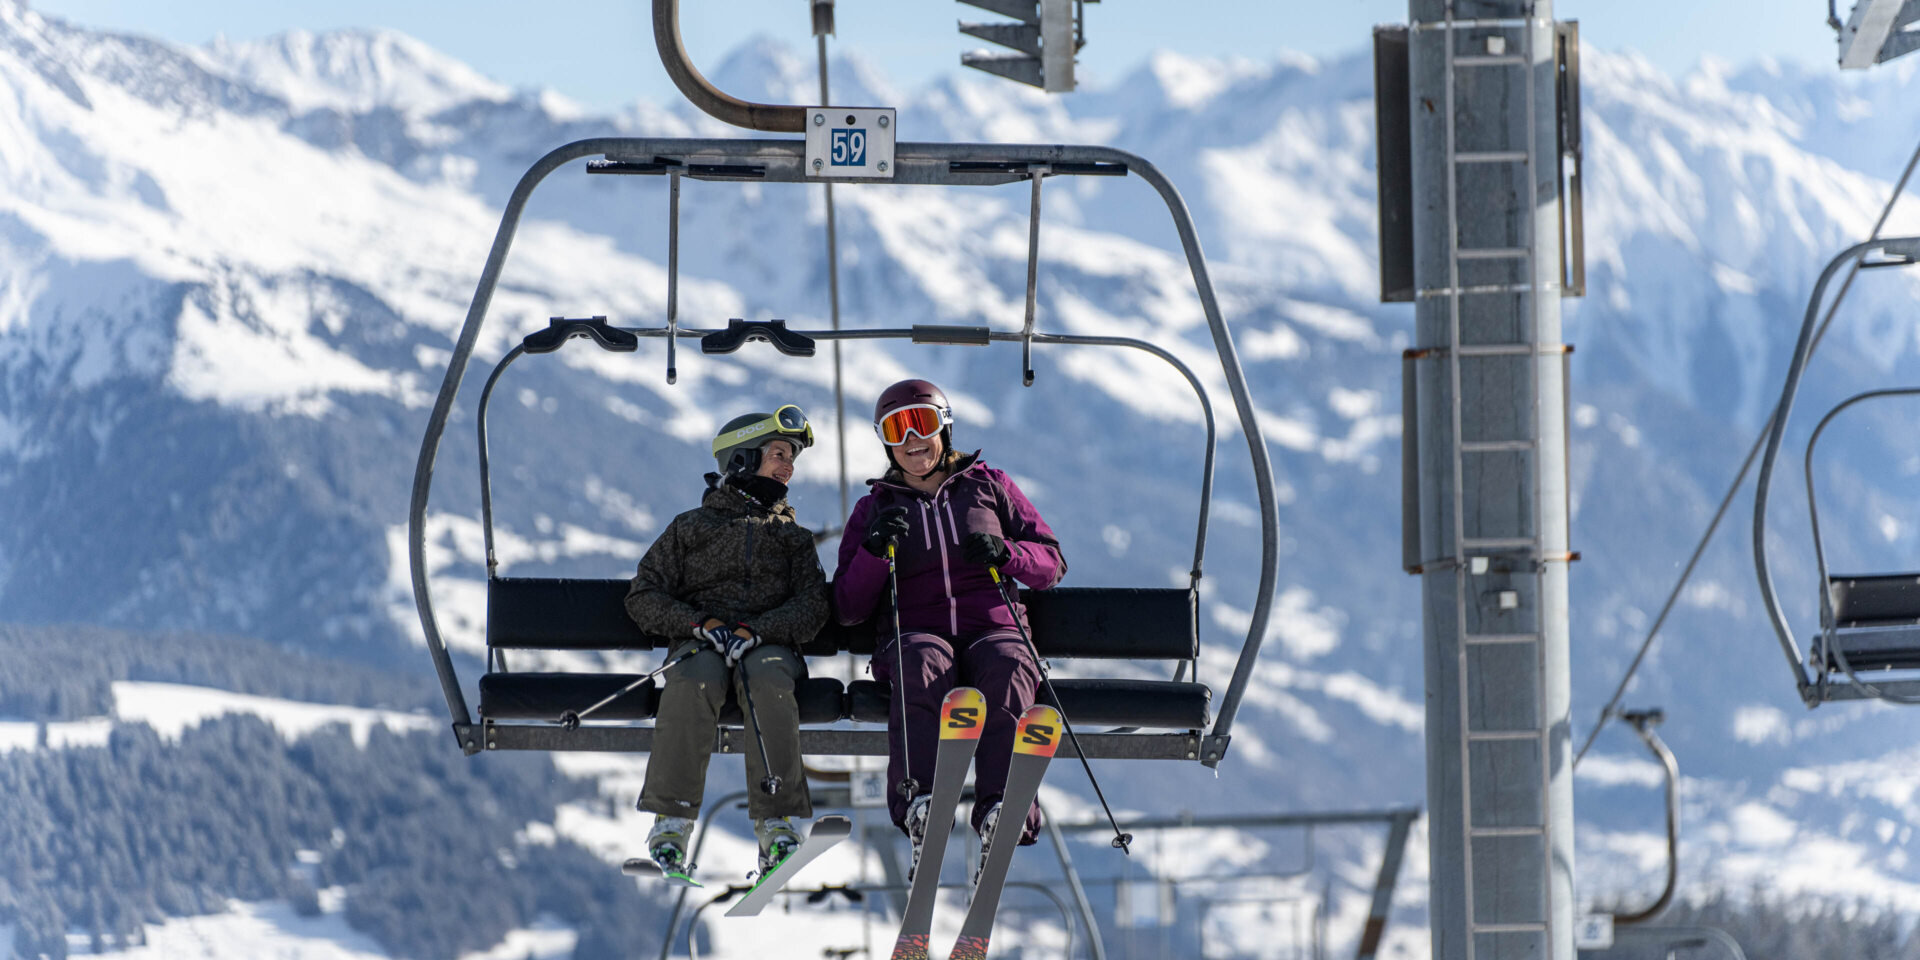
{"x": 1486, "y": 471}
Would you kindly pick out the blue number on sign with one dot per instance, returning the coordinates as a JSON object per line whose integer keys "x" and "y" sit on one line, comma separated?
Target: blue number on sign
{"x": 849, "y": 147}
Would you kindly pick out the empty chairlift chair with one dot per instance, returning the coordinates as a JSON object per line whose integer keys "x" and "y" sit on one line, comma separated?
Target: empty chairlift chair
{"x": 1868, "y": 623}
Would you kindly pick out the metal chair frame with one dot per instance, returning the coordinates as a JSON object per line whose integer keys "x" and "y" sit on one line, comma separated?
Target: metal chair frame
{"x": 782, "y": 161}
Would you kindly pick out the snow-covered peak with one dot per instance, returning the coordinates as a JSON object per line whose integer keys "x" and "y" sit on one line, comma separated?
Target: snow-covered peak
{"x": 764, "y": 69}
{"x": 1190, "y": 82}
{"x": 355, "y": 71}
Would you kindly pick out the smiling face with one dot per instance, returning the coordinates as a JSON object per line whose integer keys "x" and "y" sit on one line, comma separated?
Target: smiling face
{"x": 919, "y": 455}
{"x": 776, "y": 461}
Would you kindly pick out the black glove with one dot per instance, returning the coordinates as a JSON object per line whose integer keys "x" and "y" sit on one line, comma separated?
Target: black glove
{"x": 985, "y": 549}
{"x": 738, "y": 646}
{"x": 888, "y": 526}
{"x": 715, "y": 637}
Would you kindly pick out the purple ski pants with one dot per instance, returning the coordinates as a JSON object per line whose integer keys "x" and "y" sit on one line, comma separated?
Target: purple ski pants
{"x": 998, "y": 664}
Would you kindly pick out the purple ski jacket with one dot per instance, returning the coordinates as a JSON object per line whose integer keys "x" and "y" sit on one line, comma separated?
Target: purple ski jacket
{"x": 941, "y": 593}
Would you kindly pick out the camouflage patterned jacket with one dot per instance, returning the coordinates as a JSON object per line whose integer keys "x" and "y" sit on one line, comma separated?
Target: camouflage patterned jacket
{"x": 736, "y": 561}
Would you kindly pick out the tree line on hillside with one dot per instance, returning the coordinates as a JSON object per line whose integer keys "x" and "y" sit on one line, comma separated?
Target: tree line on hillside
{"x": 67, "y": 672}
{"x": 424, "y": 841}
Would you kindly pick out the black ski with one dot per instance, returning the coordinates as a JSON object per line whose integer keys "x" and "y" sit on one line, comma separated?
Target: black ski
{"x": 962, "y": 714}
{"x": 1033, "y": 748}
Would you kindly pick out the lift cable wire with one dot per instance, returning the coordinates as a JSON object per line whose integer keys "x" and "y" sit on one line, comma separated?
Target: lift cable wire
{"x": 1608, "y": 712}
{"x": 823, "y": 25}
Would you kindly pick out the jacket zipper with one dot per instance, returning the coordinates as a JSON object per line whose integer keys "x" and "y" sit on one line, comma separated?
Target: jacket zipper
{"x": 953, "y": 605}
{"x": 749, "y": 554}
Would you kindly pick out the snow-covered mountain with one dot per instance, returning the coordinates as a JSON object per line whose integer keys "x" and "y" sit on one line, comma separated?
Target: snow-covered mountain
{"x": 229, "y": 278}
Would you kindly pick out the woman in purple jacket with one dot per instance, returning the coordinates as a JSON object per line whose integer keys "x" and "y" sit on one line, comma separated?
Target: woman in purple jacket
{"x": 950, "y": 516}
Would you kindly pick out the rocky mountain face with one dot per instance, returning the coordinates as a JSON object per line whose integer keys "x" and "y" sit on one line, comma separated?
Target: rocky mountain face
{"x": 230, "y": 276}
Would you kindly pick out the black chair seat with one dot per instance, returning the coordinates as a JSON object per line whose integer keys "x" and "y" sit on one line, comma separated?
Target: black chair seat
{"x": 1880, "y": 600}
{"x": 1159, "y": 704}
{"x": 1875, "y": 648}
{"x": 1117, "y": 623}
{"x": 545, "y": 696}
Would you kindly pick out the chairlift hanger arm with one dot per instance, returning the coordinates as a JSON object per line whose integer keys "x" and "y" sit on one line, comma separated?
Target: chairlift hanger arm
{"x": 930, "y": 163}
{"x": 1896, "y": 247}
{"x": 772, "y": 118}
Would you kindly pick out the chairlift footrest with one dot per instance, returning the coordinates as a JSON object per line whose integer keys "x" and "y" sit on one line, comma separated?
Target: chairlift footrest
{"x": 560, "y": 329}
{"x": 739, "y": 332}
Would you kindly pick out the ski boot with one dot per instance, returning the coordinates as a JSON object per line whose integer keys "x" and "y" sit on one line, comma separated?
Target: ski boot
{"x": 778, "y": 841}
{"x": 667, "y": 844}
{"x": 987, "y": 823}
{"x": 918, "y": 813}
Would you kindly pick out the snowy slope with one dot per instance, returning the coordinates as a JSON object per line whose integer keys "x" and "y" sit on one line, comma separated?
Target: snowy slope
{"x": 229, "y": 277}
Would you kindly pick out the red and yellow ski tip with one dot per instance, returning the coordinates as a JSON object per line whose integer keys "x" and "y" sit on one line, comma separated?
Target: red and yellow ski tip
{"x": 969, "y": 948}
{"x": 963, "y": 714}
{"x": 1039, "y": 733}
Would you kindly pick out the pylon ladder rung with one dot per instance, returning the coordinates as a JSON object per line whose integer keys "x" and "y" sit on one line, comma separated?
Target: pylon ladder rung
{"x": 1489, "y": 60}
{"x": 1490, "y": 639}
{"x": 1487, "y": 736}
{"x": 1482, "y": 23}
{"x": 1507, "y": 927}
{"x": 1499, "y": 543}
{"x": 1504, "y": 349}
{"x": 1493, "y": 253}
{"x": 1496, "y": 446}
{"x": 1491, "y": 156}
{"x": 1485, "y": 289}
{"x": 1509, "y": 831}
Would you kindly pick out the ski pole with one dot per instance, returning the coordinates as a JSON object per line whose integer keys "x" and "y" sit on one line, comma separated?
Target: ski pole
{"x": 571, "y": 719}
{"x": 909, "y": 787}
{"x": 772, "y": 783}
{"x": 1124, "y": 841}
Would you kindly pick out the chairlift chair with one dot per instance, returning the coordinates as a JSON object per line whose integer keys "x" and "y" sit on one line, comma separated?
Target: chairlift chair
{"x": 1165, "y": 719}
{"x": 518, "y": 709}
{"x": 1868, "y": 623}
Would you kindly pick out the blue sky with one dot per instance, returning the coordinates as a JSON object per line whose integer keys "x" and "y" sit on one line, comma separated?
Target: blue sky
{"x": 599, "y": 52}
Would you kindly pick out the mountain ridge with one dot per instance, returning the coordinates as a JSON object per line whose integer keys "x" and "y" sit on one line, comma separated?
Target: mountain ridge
{"x": 223, "y": 310}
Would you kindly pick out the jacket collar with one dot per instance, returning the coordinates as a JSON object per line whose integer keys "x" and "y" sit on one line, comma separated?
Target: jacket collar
{"x": 729, "y": 499}
{"x": 896, "y": 479}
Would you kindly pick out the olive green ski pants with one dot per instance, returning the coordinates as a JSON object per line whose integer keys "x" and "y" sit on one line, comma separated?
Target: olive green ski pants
{"x": 689, "y": 714}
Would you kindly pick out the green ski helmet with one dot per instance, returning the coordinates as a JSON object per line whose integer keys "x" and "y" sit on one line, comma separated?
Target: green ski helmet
{"x": 737, "y": 447}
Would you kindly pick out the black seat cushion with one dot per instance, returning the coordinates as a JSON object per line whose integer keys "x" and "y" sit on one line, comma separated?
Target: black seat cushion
{"x": 1121, "y": 623}
{"x": 545, "y": 696}
{"x": 544, "y": 613}
{"x": 1875, "y": 648}
{"x": 1160, "y": 704}
{"x": 1111, "y": 623}
{"x": 1882, "y": 599}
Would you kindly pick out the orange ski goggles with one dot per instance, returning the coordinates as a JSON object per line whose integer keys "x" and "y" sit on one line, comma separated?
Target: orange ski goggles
{"x": 921, "y": 419}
